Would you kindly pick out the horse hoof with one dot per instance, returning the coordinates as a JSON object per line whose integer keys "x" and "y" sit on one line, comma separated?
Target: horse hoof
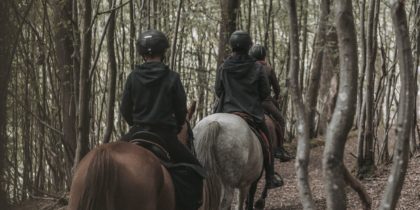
{"x": 260, "y": 204}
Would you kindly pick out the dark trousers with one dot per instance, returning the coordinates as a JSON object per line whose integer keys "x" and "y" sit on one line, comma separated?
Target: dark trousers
{"x": 272, "y": 109}
{"x": 177, "y": 151}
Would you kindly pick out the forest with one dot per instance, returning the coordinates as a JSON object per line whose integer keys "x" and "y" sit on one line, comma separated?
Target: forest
{"x": 348, "y": 75}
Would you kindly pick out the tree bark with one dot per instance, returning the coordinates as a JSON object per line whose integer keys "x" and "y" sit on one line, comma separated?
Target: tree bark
{"x": 84, "y": 85}
{"x": 229, "y": 12}
{"x": 368, "y": 98}
{"x": 267, "y": 27}
{"x": 178, "y": 16}
{"x": 132, "y": 34}
{"x": 405, "y": 107}
{"x": 302, "y": 156}
{"x": 7, "y": 34}
{"x": 62, "y": 17}
{"x": 312, "y": 93}
{"x": 343, "y": 115}
{"x": 362, "y": 63}
{"x": 112, "y": 75}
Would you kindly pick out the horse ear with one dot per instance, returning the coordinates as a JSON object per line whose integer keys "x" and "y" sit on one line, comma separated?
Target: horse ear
{"x": 191, "y": 110}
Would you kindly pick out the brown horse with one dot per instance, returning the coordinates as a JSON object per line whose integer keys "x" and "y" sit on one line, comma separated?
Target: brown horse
{"x": 124, "y": 176}
{"x": 121, "y": 176}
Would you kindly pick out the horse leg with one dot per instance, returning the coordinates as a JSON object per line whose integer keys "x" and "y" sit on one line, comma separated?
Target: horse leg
{"x": 227, "y": 198}
{"x": 242, "y": 195}
{"x": 251, "y": 194}
{"x": 260, "y": 204}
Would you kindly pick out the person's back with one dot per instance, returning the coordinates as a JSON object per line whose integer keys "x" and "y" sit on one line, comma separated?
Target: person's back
{"x": 244, "y": 86}
{"x": 154, "y": 101}
{"x": 241, "y": 86}
{"x": 270, "y": 104}
{"x": 154, "y": 97}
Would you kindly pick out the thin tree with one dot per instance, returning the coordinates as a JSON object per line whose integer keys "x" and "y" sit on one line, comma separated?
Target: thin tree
{"x": 178, "y": 16}
{"x": 343, "y": 115}
{"x": 7, "y": 33}
{"x": 62, "y": 20}
{"x": 405, "y": 106}
{"x": 302, "y": 156}
{"x": 229, "y": 12}
{"x": 84, "y": 83}
{"x": 112, "y": 74}
{"x": 366, "y": 162}
{"x": 312, "y": 93}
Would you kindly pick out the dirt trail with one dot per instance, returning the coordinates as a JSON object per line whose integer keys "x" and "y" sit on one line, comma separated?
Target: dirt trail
{"x": 286, "y": 198}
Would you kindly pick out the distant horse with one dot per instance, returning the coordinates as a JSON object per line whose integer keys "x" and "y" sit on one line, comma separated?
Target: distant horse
{"x": 232, "y": 155}
{"x": 122, "y": 176}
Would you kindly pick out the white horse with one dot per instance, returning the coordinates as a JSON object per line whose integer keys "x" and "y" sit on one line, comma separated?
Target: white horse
{"x": 232, "y": 155}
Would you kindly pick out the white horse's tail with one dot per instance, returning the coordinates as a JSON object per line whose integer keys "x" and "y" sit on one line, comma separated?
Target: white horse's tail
{"x": 206, "y": 154}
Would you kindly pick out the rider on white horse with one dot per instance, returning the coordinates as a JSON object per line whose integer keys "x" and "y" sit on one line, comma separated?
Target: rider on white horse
{"x": 241, "y": 86}
{"x": 270, "y": 104}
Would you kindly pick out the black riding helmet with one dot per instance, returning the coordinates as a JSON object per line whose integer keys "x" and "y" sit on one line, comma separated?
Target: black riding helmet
{"x": 258, "y": 52}
{"x": 152, "y": 42}
{"x": 240, "y": 41}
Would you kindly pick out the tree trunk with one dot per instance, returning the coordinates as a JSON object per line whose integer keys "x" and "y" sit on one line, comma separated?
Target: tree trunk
{"x": 267, "y": 27}
{"x": 248, "y": 26}
{"x": 84, "y": 85}
{"x": 62, "y": 17}
{"x": 405, "y": 107}
{"x": 328, "y": 87}
{"x": 7, "y": 34}
{"x": 178, "y": 16}
{"x": 413, "y": 139}
{"x": 312, "y": 93}
{"x": 229, "y": 12}
{"x": 362, "y": 67}
{"x": 132, "y": 34}
{"x": 112, "y": 74}
{"x": 343, "y": 115}
{"x": 302, "y": 156}
{"x": 367, "y": 137}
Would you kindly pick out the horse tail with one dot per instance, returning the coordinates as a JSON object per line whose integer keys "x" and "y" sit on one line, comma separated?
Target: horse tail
{"x": 207, "y": 155}
{"x": 100, "y": 183}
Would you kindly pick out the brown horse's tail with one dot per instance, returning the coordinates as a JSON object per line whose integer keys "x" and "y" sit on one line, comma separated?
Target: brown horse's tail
{"x": 100, "y": 184}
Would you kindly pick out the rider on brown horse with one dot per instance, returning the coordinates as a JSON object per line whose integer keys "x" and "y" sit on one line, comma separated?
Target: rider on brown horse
{"x": 154, "y": 100}
{"x": 270, "y": 104}
{"x": 241, "y": 86}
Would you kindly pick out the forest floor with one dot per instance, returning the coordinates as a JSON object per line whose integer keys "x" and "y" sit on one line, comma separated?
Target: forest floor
{"x": 287, "y": 197}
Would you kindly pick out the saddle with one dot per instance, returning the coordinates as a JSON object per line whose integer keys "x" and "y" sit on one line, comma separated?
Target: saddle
{"x": 187, "y": 178}
{"x": 153, "y": 143}
{"x": 264, "y": 140}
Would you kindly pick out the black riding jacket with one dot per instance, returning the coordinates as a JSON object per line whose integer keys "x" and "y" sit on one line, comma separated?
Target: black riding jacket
{"x": 154, "y": 96}
{"x": 242, "y": 85}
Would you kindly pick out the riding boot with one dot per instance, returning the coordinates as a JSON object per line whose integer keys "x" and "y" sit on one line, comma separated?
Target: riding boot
{"x": 281, "y": 154}
{"x": 272, "y": 179}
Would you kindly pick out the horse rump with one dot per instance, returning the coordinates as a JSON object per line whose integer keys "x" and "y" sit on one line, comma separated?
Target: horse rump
{"x": 102, "y": 177}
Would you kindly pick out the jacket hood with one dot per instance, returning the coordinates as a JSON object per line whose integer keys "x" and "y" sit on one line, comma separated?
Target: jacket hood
{"x": 239, "y": 65}
{"x": 151, "y": 73}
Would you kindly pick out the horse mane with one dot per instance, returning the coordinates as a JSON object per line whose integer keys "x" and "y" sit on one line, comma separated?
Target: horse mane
{"x": 102, "y": 179}
{"x": 206, "y": 154}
